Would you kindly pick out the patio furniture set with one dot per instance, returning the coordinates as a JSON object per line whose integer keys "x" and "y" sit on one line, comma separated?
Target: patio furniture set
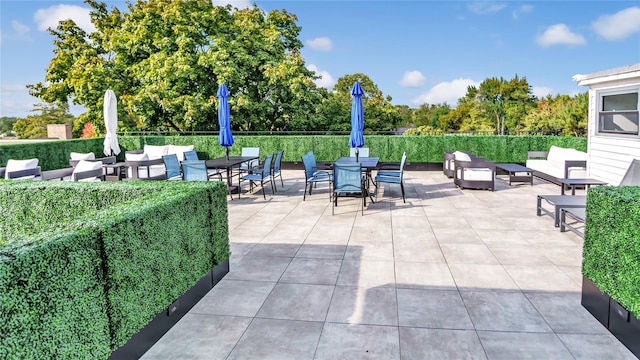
{"x": 563, "y": 166}
{"x": 352, "y": 176}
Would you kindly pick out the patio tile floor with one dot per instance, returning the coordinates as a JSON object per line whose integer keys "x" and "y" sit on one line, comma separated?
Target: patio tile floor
{"x": 451, "y": 274}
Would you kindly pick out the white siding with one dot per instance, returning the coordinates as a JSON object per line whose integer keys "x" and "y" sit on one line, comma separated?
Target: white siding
{"x": 609, "y": 155}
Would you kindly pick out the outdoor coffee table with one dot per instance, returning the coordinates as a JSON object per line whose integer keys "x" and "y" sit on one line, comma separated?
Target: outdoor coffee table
{"x": 517, "y": 173}
{"x": 572, "y": 183}
{"x": 559, "y": 202}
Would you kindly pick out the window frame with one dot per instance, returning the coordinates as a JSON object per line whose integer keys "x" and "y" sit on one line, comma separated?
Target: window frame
{"x": 601, "y": 94}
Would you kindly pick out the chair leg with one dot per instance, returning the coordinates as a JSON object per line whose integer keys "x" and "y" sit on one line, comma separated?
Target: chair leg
{"x": 281, "y": 182}
{"x": 334, "y": 203}
{"x": 273, "y": 187}
{"x": 304, "y": 197}
{"x": 402, "y": 188}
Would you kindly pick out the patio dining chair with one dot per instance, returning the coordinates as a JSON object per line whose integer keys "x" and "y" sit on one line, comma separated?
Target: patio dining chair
{"x": 347, "y": 181}
{"x": 277, "y": 169}
{"x": 260, "y": 175}
{"x": 172, "y": 165}
{"x": 193, "y": 155}
{"x": 312, "y": 175}
{"x": 249, "y": 166}
{"x": 362, "y": 152}
{"x": 196, "y": 170}
{"x": 391, "y": 173}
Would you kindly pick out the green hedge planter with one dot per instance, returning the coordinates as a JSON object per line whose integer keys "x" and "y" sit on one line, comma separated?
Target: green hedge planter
{"x": 85, "y": 266}
{"x": 420, "y": 149}
{"x": 611, "y": 260}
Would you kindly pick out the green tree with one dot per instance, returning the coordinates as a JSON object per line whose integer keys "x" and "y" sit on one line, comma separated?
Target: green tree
{"x": 505, "y": 103}
{"x": 429, "y": 114}
{"x": 561, "y": 113}
{"x": 35, "y": 126}
{"x": 165, "y": 59}
{"x": 6, "y": 124}
{"x": 379, "y": 113}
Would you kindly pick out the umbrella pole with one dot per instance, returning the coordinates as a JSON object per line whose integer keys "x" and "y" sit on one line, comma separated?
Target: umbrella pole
{"x": 227, "y": 153}
{"x": 357, "y": 153}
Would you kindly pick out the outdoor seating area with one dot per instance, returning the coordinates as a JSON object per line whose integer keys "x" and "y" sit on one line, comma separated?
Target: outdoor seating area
{"x": 448, "y": 274}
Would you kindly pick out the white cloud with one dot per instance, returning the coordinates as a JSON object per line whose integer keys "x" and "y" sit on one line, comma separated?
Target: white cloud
{"x": 559, "y": 34}
{"x": 320, "y": 44}
{"x": 522, "y": 9}
{"x": 485, "y": 7}
{"x": 541, "y": 91}
{"x": 619, "y": 25}
{"x": 325, "y": 80}
{"x": 413, "y": 79}
{"x": 240, "y": 4}
{"x": 445, "y": 92}
{"x": 51, "y": 16}
{"x": 20, "y": 29}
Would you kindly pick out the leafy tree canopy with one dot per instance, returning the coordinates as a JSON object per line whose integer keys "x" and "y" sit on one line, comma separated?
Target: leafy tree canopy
{"x": 165, "y": 59}
{"x": 35, "y": 126}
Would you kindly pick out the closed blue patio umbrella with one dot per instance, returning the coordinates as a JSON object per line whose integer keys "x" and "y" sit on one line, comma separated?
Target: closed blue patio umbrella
{"x": 356, "y": 139}
{"x": 225, "y": 138}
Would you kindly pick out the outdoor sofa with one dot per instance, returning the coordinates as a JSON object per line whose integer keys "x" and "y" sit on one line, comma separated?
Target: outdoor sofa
{"x": 558, "y": 163}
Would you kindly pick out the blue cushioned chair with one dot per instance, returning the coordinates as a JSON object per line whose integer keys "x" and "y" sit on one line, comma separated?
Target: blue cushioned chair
{"x": 312, "y": 175}
{"x": 260, "y": 175}
{"x": 277, "y": 169}
{"x": 193, "y": 155}
{"x": 196, "y": 170}
{"x": 391, "y": 173}
{"x": 347, "y": 181}
{"x": 172, "y": 166}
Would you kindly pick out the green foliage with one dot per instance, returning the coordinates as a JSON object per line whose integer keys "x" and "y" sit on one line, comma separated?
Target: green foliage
{"x": 561, "y": 112}
{"x": 51, "y": 154}
{"x": 6, "y": 124}
{"x": 502, "y": 148}
{"x": 379, "y": 114}
{"x": 35, "y": 126}
{"x": 110, "y": 257}
{"x": 611, "y": 252}
{"x": 165, "y": 60}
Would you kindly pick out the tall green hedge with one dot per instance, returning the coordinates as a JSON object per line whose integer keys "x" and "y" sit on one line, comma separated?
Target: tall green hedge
{"x": 611, "y": 255}
{"x": 420, "y": 149}
{"x": 84, "y": 266}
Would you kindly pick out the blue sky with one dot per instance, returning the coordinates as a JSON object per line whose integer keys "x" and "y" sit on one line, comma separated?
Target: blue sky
{"x": 415, "y": 51}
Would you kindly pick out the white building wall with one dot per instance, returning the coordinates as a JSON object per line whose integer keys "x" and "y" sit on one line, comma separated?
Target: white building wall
{"x": 609, "y": 156}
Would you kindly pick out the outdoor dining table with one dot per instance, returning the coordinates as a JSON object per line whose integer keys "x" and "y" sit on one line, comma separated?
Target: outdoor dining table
{"x": 228, "y": 164}
{"x": 368, "y": 163}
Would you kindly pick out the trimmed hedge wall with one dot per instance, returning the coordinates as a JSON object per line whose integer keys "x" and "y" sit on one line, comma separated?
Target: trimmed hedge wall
{"x": 420, "y": 149}
{"x": 84, "y": 266}
{"x": 611, "y": 255}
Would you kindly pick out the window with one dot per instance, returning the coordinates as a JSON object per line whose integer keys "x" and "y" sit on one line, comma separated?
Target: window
{"x": 618, "y": 113}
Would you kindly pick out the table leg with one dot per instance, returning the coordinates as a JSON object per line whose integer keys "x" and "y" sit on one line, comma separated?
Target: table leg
{"x": 573, "y": 189}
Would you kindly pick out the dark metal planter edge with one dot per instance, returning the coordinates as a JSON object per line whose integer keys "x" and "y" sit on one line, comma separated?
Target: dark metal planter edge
{"x": 144, "y": 339}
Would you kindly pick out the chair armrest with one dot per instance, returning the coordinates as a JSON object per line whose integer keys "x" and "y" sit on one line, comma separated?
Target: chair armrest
{"x": 537, "y": 154}
{"x": 97, "y": 173}
{"x": 476, "y": 165}
{"x": 573, "y": 163}
{"x": 27, "y": 172}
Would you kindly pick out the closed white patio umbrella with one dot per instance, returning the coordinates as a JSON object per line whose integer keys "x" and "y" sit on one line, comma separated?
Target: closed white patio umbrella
{"x": 111, "y": 146}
